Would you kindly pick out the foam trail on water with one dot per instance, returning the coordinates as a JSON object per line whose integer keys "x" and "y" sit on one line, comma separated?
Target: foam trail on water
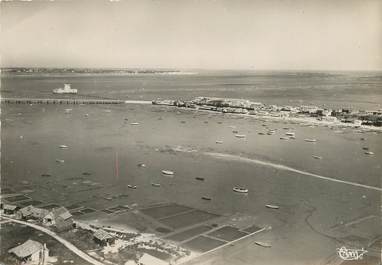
{"x": 286, "y": 168}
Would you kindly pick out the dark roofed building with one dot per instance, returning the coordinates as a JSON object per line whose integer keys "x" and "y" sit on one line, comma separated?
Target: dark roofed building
{"x": 59, "y": 217}
{"x": 103, "y": 238}
{"x": 10, "y": 208}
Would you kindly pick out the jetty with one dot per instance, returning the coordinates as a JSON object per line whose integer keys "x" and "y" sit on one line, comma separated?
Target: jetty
{"x": 69, "y": 101}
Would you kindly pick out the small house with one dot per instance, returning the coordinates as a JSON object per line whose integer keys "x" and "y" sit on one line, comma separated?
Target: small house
{"x": 31, "y": 251}
{"x": 10, "y": 209}
{"x": 103, "y": 238}
{"x": 32, "y": 212}
{"x": 59, "y": 217}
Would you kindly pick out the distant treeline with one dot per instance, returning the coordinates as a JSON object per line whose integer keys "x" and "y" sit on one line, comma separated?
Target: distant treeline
{"x": 85, "y": 70}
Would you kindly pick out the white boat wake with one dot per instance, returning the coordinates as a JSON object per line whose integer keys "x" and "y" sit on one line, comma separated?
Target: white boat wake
{"x": 287, "y": 168}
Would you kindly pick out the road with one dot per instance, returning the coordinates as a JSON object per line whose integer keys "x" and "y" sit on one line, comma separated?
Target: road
{"x": 66, "y": 243}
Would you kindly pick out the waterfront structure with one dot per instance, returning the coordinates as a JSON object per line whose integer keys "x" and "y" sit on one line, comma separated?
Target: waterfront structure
{"x": 60, "y": 218}
{"x": 103, "y": 238}
{"x": 30, "y": 252}
{"x": 31, "y": 212}
{"x": 10, "y": 209}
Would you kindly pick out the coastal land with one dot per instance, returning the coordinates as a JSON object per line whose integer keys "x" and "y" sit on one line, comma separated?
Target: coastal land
{"x": 160, "y": 179}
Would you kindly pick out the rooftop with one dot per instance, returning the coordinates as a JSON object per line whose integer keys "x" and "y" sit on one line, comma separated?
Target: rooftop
{"x": 102, "y": 235}
{"x": 26, "y": 249}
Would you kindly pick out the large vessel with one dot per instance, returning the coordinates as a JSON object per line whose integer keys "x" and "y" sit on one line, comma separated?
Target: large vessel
{"x": 66, "y": 90}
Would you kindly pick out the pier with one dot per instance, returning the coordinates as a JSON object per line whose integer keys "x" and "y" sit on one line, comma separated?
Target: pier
{"x": 69, "y": 101}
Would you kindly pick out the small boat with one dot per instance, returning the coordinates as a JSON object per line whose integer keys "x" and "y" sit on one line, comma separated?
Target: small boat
{"x": 86, "y": 173}
{"x": 240, "y": 190}
{"x": 206, "y": 198}
{"x": 86, "y": 115}
{"x": 126, "y": 119}
{"x": 199, "y": 178}
{"x": 131, "y": 186}
{"x": 362, "y": 139}
{"x": 271, "y": 206}
{"x": 63, "y": 146}
{"x": 365, "y": 148}
{"x": 317, "y": 157}
{"x": 134, "y": 123}
{"x": 240, "y": 135}
{"x": 235, "y": 131}
{"x": 219, "y": 142}
{"x": 292, "y": 137}
{"x": 107, "y": 111}
{"x": 261, "y": 133}
{"x": 155, "y": 184}
{"x": 263, "y": 244}
{"x": 60, "y": 161}
{"x": 290, "y": 133}
{"x": 168, "y": 172}
{"x": 310, "y": 140}
{"x": 46, "y": 175}
{"x": 270, "y": 133}
{"x": 141, "y": 165}
{"x": 284, "y": 138}
{"x": 369, "y": 153}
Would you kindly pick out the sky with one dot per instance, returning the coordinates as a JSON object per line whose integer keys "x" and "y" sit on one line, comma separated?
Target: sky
{"x": 202, "y": 34}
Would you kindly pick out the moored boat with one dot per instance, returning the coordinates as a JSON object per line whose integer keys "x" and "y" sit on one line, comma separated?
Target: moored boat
{"x": 131, "y": 186}
{"x": 240, "y": 189}
{"x": 310, "y": 140}
{"x": 199, "y": 178}
{"x": 263, "y": 244}
{"x": 155, "y": 184}
{"x": 240, "y": 135}
{"x": 369, "y": 153}
{"x": 206, "y": 198}
{"x": 317, "y": 157}
{"x": 272, "y": 206}
{"x": 168, "y": 172}
{"x": 62, "y": 146}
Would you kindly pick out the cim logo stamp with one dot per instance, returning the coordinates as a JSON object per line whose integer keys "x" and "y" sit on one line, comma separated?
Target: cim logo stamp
{"x": 351, "y": 253}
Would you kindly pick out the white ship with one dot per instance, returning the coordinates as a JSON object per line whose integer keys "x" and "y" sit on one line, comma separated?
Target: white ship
{"x": 66, "y": 90}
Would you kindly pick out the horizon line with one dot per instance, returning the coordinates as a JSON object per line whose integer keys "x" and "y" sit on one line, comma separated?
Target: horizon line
{"x": 194, "y": 68}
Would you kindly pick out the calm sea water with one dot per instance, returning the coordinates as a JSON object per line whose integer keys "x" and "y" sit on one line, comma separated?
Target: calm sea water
{"x": 107, "y": 145}
{"x": 361, "y": 90}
